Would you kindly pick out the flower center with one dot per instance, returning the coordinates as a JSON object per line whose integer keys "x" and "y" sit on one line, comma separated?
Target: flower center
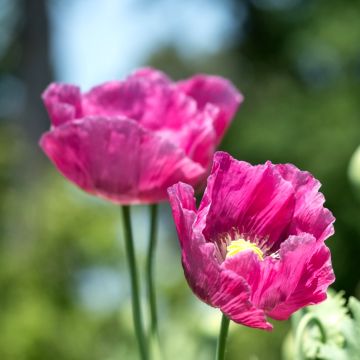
{"x": 239, "y": 245}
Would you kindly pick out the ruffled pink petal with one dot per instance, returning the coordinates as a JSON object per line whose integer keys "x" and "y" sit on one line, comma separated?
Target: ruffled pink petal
{"x": 280, "y": 287}
{"x": 117, "y": 159}
{"x": 215, "y": 90}
{"x": 63, "y": 103}
{"x": 151, "y": 75}
{"x": 197, "y": 138}
{"x": 119, "y": 98}
{"x": 246, "y": 264}
{"x": 201, "y": 137}
{"x": 163, "y": 164}
{"x": 151, "y": 98}
{"x": 199, "y": 261}
{"x": 145, "y": 96}
{"x": 233, "y": 298}
{"x": 116, "y": 98}
{"x": 255, "y": 200}
{"x": 304, "y": 275}
{"x": 259, "y": 202}
{"x": 160, "y": 108}
{"x": 310, "y": 216}
{"x": 213, "y": 284}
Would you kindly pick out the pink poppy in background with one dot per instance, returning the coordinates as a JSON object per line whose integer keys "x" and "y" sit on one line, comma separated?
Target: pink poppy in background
{"x": 255, "y": 246}
{"x": 128, "y": 141}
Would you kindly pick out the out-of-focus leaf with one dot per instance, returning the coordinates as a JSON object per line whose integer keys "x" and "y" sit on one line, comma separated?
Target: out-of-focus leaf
{"x": 340, "y": 339}
{"x": 354, "y": 170}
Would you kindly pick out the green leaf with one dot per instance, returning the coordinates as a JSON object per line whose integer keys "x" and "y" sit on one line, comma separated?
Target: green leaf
{"x": 328, "y": 331}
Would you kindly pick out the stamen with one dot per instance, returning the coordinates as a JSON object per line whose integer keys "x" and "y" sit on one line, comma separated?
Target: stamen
{"x": 239, "y": 245}
{"x": 275, "y": 255}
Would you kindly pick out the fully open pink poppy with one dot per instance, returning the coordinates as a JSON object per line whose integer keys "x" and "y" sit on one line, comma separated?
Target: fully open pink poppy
{"x": 128, "y": 141}
{"x": 255, "y": 246}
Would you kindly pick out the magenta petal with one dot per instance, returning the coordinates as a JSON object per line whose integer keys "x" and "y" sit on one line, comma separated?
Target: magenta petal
{"x": 282, "y": 286}
{"x": 199, "y": 261}
{"x": 215, "y": 90}
{"x": 116, "y": 98}
{"x": 254, "y": 200}
{"x": 170, "y": 121}
{"x": 280, "y": 272}
{"x": 197, "y": 137}
{"x": 159, "y": 108}
{"x": 143, "y": 96}
{"x": 162, "y": 164}
{"x": 155, "y": 104}
{"x": 261, "y": 277}
{"x": 117, "y": 159}
{"x": 310, "y": 216}
{"x": 247, "y": 265}
{"x": 150, "y": 75}
{"x": 300, "y": 278}
{"x": 216, "y": 286}
{"x": 63, "y": 103}
{"x": 233, "y": 298}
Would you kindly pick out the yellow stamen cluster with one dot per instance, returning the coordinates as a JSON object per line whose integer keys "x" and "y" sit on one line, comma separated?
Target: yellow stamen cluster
{"x": 239, "y": 245}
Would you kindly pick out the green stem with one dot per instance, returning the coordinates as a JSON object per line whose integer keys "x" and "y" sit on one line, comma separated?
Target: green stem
{"x": 150, "y": 270}
{"x": 136, "y": 305}
{"x": 221, "y": 345}
{"x": 307, "y": 320}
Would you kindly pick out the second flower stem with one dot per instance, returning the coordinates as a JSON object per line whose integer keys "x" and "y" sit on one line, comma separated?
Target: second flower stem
{"x": 136, "y": 305}
{"x": 150, "y": 270}
{"x": 221, "y": 345}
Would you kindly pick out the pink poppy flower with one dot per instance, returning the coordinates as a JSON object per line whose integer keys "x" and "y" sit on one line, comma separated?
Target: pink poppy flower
{"x": 128, "y": 141}
{"x": 255, "y": 246}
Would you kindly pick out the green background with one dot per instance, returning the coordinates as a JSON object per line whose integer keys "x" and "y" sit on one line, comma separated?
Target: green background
{"x": 64, "y": 292}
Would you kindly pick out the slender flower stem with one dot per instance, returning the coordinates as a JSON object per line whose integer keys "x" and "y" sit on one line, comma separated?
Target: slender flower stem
{"x": 150, "y": 269}
{"x": 221, "y": 345}
{"x": 136, "y": 306}
{"x": 299, "y": 337}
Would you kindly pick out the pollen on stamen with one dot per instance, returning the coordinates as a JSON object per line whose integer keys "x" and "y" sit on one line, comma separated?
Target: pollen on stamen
{"x": 240, "y": 245}
{"x": 232, "y": 242}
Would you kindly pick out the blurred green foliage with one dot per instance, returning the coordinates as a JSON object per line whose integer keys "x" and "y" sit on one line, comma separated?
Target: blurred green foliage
{"x": 330, "y": 330}
{"x": 45, "y": 313}
{"x": 63, "y": 280}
